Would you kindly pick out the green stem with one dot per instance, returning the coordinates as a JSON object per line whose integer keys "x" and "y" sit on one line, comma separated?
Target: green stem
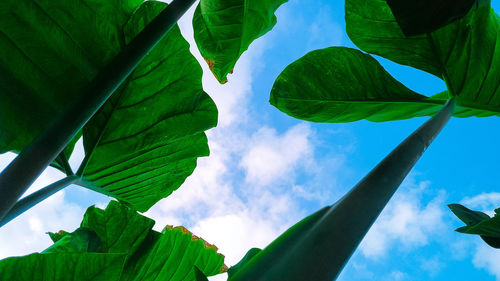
{"x": 328, "y": 238}
{"x": 36, "y": 197}
{"x": 63, "y": 161}
{"x": 33, "y": 159}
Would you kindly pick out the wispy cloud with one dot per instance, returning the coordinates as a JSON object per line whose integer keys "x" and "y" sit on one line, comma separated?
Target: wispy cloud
{"x": 487, "y": 258}
{"x": 407, "y": 221}
{"x": 486, "y": 202}
{"x": 270, "y": 158}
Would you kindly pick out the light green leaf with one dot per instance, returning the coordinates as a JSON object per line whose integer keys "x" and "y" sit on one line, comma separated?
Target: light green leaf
{"x": 223, "y": 30}
{"x": 129, "y": 250}
{"x": 80, "y": 240}
{"x": 339, "y": 84}
{"x": 465, "y": 53}
{"x": 62, "y": 267}
{"x": 50, "y": 51}
{"x": 145, "y": 140}
{"x": 120, "y": 229}
{"x": 172, "y": 256}
{"x": 423, "y": 16}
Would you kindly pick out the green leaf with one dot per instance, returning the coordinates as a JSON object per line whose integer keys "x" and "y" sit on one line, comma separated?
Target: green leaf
{"x": 129, "y": 250}
{"x": 479, "y": 223}
{"x": 80, "y": 240}
{"x": 223, "y": 30}
{"x": 62, "y": 267}
{"x": 340, "y": 84}
{"x": 120, "y": 229}
{"x": 248, "y": 256}
{"x": 465, "y": 53}
{"x": 199, "y": 276}
{"x": 468, "y": 216}
{"x": 172, "y": 256}
{"x": 145, "y": 141}
{"x": 50, "y": 51}
{"x": 423, "y": 16}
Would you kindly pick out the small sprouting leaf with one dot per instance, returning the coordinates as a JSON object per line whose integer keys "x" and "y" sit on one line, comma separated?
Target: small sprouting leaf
{"x": 423, "y": 16}
{"x": 479, "y": 223}
{"x": 56, "y": 236}
{"x": 80, "y": 240}
{"x": 340, "y": 84}
{"x": 468, "y": 216}
{"x": 223, "y": 30}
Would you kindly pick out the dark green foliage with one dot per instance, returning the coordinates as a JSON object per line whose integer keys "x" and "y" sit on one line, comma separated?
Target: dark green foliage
{"x": 144, "y": 142}
{"x": 479, "y": 223}
{"x": 341, "y": 85}
{"x": 223, "y": 30}
{"x": 50, "y": 51}
{"x": 423, "y": 16}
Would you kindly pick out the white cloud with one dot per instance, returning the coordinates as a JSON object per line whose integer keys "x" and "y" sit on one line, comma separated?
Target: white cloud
{"x": 407, "y": 221}
{"x": 26, "y": 233}
{"x": 487, "y": 258}
{"x": 486, "y": 202}
{"x": 216, "y": 203}
{"x": 270, "y": 157}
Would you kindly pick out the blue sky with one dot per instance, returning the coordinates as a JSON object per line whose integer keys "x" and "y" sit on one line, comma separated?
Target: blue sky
{"x": 268, "y": 170}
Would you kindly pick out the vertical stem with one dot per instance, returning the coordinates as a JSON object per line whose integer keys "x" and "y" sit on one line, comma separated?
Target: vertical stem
{"x": 33, "y": 159}
{"x": 36, "y": 197}
{"x": 324, "y": 247}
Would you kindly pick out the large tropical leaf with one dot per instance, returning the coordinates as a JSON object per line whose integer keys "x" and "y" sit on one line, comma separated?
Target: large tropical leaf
{"x": 479, "y": 223}
{"x": 144, "y": 142}
{"x": 465, "y": 53}
{"x": 343, "y": 85}
{"x": 424, "y": 16}
{"x": 50, "y": 51}
{"x": 62, "y": 267}
{"x": 340, "y": 84}
{"x": 125, "y": 253}
{"x": 223, "y": 30}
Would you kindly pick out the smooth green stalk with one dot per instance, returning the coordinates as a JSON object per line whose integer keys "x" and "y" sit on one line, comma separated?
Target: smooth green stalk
{"x": 36, "y": 197}
{"x": 32, "y": 160}
{"x": 320, "y": 250}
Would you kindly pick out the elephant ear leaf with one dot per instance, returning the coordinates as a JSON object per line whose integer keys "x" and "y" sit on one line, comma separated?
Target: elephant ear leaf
{"x": 223, "y": 30}
{"x": 173, "y": 255}
{"x": 120, "y": 229}
{"x": 339, "y": 84}
{"x": 423, "y": 16}
{"x": 465, "y": 53}
{"x": 124, "y": 253}
{"x": 50, "y": 51}
{"x": 479, "y": 223}
{"x": 63, "y": 266}
{"x": 145, "y": 141}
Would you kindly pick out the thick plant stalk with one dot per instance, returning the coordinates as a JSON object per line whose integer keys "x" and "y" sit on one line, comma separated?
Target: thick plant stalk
{"x": 33, "y": 159}
{"x": 321, "y": 246}
{"x": 36, "y": 197}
